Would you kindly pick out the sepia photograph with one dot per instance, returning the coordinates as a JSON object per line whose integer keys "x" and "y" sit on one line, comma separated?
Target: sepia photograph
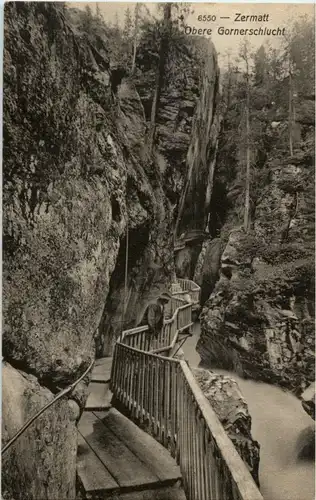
{"x": 158, "y": 251}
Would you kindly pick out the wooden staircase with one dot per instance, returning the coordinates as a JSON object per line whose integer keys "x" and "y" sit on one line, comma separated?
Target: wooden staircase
{"x": 116, "y": 459}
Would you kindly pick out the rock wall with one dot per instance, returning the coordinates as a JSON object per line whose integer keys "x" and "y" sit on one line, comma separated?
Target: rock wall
{"x": 75, "y": 178}
{"x": 35, "y": 464}
{"x": 206, "y": 272}
{"x": 64, "y": 199}
{"x": 229, "y": 405}
{"x": 195, "y": 199}
{"x": 259, "y": 318}
{"x": 151, "y": 261}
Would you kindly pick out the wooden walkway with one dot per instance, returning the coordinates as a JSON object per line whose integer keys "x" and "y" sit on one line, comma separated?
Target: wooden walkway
{"x": 188, "y": 237}
{"x": 99, "y": 398}
{"x": 116, "y": 459}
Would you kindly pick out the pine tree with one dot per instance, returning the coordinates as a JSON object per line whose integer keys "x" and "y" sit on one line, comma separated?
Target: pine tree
{"x": 135, "y": 37}
{"x": 260, "y": 66}
{"x": 98, "y": 12}
{"x": 88, "y": 19}
{"x": 245, "y": 55}
{"x": 128, "y": 25}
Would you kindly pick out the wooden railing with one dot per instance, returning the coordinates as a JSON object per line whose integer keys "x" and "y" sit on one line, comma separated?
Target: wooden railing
{"x": 181, "y": 319}
{"x": 188, "y": 286}
{"x": 160, "y": 394}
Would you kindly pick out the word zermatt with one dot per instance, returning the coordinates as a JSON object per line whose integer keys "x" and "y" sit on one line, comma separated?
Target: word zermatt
{"x": 261, "y": 18}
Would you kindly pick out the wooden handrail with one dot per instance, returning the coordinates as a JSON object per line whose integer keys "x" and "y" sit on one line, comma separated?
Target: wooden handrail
{"x": 161, "y": 394}
{"x": 232, "y": 480}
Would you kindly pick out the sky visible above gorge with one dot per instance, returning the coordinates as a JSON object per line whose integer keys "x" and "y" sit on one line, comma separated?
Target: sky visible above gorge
{"x": 279, "y": 16}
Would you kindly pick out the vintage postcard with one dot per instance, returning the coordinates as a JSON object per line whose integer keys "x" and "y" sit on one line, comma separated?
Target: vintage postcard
{"x": 158, "y": 251}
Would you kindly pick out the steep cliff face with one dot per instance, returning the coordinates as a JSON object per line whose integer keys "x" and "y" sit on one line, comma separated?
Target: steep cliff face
{"x": 194, "y": 205}
{"x": 75, "y": 179}
{"x": 64, "y": 197}
{"x": 259, "y": 318}
{"x": 150, "y": 245}
{"x": 34, "y": 467}
{"x": 195, "y": 199}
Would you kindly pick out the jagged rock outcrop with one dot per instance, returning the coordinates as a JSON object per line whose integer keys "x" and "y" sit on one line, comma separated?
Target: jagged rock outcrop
{"x": 259, "y": 318}
{"x": 308, "y": 400}
{"x": 207, "y": 269}
{"x": 45, "y": 447}
{"x": 229, "y": 405}
{"x": 75, "y": 177}
{"x": 186, "y": 101}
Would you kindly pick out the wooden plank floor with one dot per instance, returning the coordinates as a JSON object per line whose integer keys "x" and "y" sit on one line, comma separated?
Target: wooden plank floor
{"x": 114, "y": 455}
{"x": 99, "y": 395}
{"x": 116, "y": 460}
{"x": 102, "y": 370}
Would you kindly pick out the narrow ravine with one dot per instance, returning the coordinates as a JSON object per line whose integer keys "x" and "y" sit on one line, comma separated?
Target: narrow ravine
{"x": 277, "y": 422}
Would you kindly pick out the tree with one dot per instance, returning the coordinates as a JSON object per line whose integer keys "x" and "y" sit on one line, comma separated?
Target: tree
{"x": 245, "y": 56}
{"x": 116, "y": 22}
{"x": 98, "y": 12}
{"x": 128, "y": 25}
{"x": 87, "y": 19}
{"x": 298, "y": 49}
{"x": 164, "y": 45}
{"x": 260, "y": 66}
{"x": 136, "y": 32}
{"x": 291, "y": 113}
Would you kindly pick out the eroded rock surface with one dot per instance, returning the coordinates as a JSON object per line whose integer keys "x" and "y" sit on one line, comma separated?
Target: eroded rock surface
{"x": 34, "y": 467}
{"x": 76, "y": 176}
{"x": 259, "y": 318}
{"x": 308, "y": 400}
{"x": 231, "y": 408}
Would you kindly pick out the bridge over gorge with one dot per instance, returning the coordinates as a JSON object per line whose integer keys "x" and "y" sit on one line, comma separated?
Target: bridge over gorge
{"x": 148, "y": 431}
{"x": 194, "y": 235}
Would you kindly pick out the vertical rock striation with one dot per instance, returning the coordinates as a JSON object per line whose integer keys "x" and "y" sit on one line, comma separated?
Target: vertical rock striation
{"x": 75, "y": 178}
{"x": 259, "y": 318}
{"x": 187, "y": 99}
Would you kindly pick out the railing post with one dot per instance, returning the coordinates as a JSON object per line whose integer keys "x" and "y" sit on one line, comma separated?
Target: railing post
{"x": 164, "y": 392}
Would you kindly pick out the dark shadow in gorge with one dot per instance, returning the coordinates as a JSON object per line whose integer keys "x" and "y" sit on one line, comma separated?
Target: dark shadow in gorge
{"x": 111, "y": 321}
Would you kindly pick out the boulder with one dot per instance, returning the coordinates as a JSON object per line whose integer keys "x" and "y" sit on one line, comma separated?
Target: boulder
{"x": 34, "y": 466}
{"x": 231, "y": 408}
{"x": 305, "y": 444}
{"x": 308, "y": 400}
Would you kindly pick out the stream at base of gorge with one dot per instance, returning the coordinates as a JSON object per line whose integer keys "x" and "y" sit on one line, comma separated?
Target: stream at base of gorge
{"x": 277, "y": 422}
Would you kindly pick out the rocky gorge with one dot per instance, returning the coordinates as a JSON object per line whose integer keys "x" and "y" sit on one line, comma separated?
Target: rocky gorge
{"x": 259, "y": 318}
{"x": 79, "y": 178}
{"x": 77, "y": 174}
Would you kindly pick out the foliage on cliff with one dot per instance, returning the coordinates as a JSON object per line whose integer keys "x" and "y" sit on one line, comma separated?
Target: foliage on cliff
{"x": 263, "y": 303}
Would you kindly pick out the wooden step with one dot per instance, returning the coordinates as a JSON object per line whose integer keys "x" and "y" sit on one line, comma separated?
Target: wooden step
{"x": 99, "y": 397}
{"x": 118, "y": 460}
{"x": 101, "y": 372}
{"x": 162, "y": 493}
{"x": 147, "y": 449}
{"x": 91, "y": 471}
{"x": 121, "y": 464}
